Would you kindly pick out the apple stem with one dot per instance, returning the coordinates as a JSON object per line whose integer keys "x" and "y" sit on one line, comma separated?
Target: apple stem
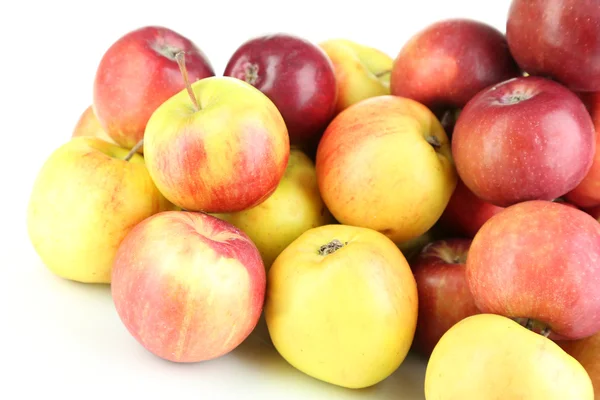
{"x": 382, "y": 73}
{"x": 180, "y": 57}
{"x": 331, "y": 247}
{"x": 134, "y": 149}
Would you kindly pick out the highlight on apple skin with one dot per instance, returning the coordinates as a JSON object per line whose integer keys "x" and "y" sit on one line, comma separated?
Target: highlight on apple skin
{"x": 188, "y": 286}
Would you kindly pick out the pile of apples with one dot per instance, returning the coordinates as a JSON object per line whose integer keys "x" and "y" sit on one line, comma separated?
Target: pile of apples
{"x": 445, "y": 201}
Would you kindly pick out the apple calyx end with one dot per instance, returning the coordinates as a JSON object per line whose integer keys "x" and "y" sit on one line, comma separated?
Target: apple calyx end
{"x": 331, "y": 247}
{"x": 180, "y": 57}
{"x": 534, "y": 326}
{"x": 514, "y": 98}
{"x": 250, "y": 73}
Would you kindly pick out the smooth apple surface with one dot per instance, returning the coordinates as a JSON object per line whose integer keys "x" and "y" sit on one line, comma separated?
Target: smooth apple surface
{"x": 361, "y": 71}
{"x": 587, "y": 193}
{"x": 559, "y": 39}
{"x": 587, "y": 352}
{"x": 527, "y": 138}
{"x": 341, "y": 305}
{"x": 85, "y": 199}
{"x": 88, "y": 125}
{"x": 450, "y": 61}
{"x": 136, "y": 74}
{"x": 538, "y": 261}
{"x": 444, "y": 295}
{"x": 488, "y": 356}
{"x": 295, "y": 207}
{"x": 466, "y": 213}
{"x": 227, "y": 156}
{"x": 295, "y": 74}
{"x": 385, "y": 163}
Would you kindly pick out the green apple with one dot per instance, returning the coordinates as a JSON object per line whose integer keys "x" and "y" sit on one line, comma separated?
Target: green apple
{"x": 295, "y": 207}
{"x": 85, "y": 199}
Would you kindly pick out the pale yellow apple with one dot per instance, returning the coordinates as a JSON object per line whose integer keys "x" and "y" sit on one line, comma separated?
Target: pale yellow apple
{"x": 490, "y": 357}
{"x": 88, "y": 125}
{"x": 295, "y": 207}
{"x": 85, "y": 199}
{"x": 361, "y": 71}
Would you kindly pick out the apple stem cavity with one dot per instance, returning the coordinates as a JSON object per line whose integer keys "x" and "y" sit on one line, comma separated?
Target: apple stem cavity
{"x": 514, "y": 98}
{"x": 331, "y": 247}
{"x": 434, "y": 142}
{"x": 382, "y": 73}
{"x": 180, "y": 57}
{"x": 535, "y": 326}
{"x": 250, "y": 73}
{"x": 134, "y": 150}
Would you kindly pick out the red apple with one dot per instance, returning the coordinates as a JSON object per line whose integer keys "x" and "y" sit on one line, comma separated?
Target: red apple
{"x": 137, "y": 74}
{"x": 587, "y": 193}
{"x": 188, "y": 286}
{"x": 528, "y": 138}
{"x": 295, "y": 74}
{"x": 466, "y": 213}
{"x": 444, "y": 296}
{"x": 587, "y": 352}
{"x": 448, "y": 62}
{"x": 538, "y": 261}
{"x": 558, "y": 39}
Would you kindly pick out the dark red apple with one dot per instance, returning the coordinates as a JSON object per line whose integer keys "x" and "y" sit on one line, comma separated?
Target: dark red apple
{"x": 528, "y": 138}
{"x": 587, "y": 193}
{"x": 539, "y": 261}
{"x": 295, "y": 74}
{"x": 594, "y": 212}
{"x": 444, "y": 296}
{"x": 559, "y": 39}
{"x": 137, "y": 74}
{"x": 447, "y": 63}
{"x": 466, "y": 213}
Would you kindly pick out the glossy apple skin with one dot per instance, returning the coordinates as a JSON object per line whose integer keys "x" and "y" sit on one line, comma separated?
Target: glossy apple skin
{"x": 139, "y": 72}
{"x": 559, "y": 39}
{"x": 587, "y": 193}
{"x": 587, "y": 352}
{"x": 444, "y": 296}
{"x": 539, "y": 259}
{"x": 295, "y": 74}
{"x": 188, "y": 286}
{"x": 466, "y": 213}
{"x": 448, "y": 62}
{"x": 508, "y": 151}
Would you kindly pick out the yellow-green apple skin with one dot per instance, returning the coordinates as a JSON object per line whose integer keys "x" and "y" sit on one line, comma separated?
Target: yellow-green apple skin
{"x": 385, "y": 163}
{"x": 85, "y": 199}
{"x": 227, "y": 156}
{"x": 88, "y": 125}
{"x": 490, "y": 357}
{"x": 361, "y": 71}
{"x": 341, "y": 305}
{"x": 295, "y": 207}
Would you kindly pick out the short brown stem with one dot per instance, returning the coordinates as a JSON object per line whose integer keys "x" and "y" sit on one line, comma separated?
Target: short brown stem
{"x": 134, "y": 149}
{"x": 180, "y": 57}
{"x": 382, "y": 73}
{"x": 331, "y": 247}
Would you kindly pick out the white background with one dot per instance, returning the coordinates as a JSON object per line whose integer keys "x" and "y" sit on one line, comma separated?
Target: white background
{"x": 65, "y": 339}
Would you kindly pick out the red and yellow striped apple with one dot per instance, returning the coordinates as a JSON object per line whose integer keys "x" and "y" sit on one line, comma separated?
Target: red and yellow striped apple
{"x": 220, "y": 147}
{"x": 88, "y": 125}
{"x": 188, "y": 286}
{"x": 385, "y": 163}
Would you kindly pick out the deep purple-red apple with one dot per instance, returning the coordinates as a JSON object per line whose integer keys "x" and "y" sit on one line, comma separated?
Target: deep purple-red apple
{"x": 295, "y": 74}
{"x": 538, "y": 261}
{"x": 528, "y": 138}
{"x": 138, "y": 73}
{"x": 444, "y": 296}
{"x": 188, "y": 286}
{"x": 448, "y": 62}
{"x": 559, "y": 39}
{"x": 466, "y": 213}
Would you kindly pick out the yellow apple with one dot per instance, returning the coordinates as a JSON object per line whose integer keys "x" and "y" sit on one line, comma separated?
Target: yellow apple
{"x": 295, "y": 207}
{"x": 85, "y": 199}
{"x": 488, "y": 356}
{"x": 361, "y": 71}
{"x": 88, "y": 125}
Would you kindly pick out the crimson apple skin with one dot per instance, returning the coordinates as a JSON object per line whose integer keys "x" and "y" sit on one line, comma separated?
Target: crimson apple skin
{"x": 139, "y": 72}
{"x": 450, "y": 61}
{"x": 559, "y": 39}
{"x": 587, "y": 193}
{"x": 295, "y": 74}
{"x": 444, "y": 296}
{"x": 188, "y": 286}
{"x": 539, "y": 260}
{"x": 466, "y": 213}
{"x": 528, "y": 138}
